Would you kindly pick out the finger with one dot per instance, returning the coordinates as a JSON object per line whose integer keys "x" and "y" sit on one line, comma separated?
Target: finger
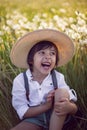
{"x": 50, "y": 95}
{"x": 63, "y": 99}
{"x": 60, "y": 114}
{"x": 52, "y": 92}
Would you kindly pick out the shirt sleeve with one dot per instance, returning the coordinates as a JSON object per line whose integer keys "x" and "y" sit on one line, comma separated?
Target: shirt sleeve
{"x": 19, "y": 100}
{"x": 63, "y": 84}
{"x": 73, "y": 95}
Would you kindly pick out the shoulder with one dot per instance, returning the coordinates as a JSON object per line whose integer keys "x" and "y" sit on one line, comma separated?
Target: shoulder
{"x": 18, "y": 83}
{"x": 60, "y": 77}
{"x": 61, "y": 80}
{"x": 19, "y": 77}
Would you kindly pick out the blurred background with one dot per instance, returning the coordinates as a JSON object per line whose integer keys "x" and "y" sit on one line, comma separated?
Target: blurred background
{"x": 19, "y": 17}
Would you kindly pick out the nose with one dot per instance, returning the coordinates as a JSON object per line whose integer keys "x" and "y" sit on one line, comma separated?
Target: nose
{"x": 47, "y": 56}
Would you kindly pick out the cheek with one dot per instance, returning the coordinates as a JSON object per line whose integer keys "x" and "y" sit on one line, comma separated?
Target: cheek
{"x": 54, "y": 60}
{"x": 37, "y": 60}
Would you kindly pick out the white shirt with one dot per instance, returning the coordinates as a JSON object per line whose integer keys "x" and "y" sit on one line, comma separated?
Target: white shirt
{"x": 37, "y": 92}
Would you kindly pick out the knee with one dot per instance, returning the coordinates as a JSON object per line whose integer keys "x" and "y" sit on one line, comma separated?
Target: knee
{"x": 61, "y": 93}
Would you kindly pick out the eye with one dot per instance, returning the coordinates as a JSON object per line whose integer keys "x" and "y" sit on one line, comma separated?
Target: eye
{"x": 41, "y": 52}
{"x": 53, "y": 53}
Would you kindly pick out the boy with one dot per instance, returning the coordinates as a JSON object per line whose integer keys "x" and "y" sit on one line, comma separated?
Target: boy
{"x": 40, "y": 52}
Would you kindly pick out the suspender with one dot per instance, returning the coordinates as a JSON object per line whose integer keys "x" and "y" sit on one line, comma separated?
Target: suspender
{"x": 54, "y": 80}
{"x": 26, "y": 85}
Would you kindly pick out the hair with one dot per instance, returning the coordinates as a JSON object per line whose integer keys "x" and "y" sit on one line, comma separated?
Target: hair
{"x": 39, "y": 46}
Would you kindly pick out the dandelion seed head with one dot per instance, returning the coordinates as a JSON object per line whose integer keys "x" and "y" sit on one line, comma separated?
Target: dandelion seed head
{"x": 62, "y": 10}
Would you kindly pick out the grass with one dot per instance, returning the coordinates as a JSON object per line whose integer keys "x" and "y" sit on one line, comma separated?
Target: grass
{"x": 19, "y": 17}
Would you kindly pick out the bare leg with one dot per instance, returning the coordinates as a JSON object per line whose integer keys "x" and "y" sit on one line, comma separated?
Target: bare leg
{"x": 56, "y": 122}
{"x": 27, "y": 126}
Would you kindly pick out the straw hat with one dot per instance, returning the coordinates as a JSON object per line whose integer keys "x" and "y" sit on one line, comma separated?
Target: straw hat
{"x": 22, "y": 47}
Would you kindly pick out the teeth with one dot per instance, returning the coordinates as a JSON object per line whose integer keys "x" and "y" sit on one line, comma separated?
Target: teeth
{"x": 43, "y": 64}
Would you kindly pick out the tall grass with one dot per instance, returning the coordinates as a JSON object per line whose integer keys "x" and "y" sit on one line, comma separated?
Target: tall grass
{"x": 16, "y": 24}
{"x": 76, "y": 76}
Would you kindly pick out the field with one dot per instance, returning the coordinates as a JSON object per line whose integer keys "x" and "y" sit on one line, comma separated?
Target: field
{"x": 19, "y": 17}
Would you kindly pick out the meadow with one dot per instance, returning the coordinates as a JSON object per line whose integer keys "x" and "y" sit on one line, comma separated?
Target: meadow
{"x": 19, "y": 17}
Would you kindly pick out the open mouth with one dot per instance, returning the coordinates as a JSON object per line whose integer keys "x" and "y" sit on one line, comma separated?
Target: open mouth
{"x": 47, "y": 65}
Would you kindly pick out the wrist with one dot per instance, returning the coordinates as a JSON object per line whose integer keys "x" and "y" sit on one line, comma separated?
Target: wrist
{"x": 74, "y": 107}
{"x": 47, "y": 105}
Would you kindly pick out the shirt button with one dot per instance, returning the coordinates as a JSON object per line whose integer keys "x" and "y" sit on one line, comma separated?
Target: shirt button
{"x": 39, "y": 88}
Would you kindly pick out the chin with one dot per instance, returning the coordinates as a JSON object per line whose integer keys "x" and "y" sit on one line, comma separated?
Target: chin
{"x": 45, "y": 72}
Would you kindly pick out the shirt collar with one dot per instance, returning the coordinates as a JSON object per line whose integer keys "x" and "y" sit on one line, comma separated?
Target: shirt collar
{"x": 30, "y": 77}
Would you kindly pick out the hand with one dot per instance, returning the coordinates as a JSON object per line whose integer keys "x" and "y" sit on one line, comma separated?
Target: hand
{"x": 49, "y": 98}
{"x": 63, "y": 107}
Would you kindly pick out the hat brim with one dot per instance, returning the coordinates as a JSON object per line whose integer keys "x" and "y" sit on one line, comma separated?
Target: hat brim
{"x": 22, "y": 47}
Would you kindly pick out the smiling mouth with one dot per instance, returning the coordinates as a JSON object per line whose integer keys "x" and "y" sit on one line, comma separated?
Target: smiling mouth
{"x": 46, "y": 64}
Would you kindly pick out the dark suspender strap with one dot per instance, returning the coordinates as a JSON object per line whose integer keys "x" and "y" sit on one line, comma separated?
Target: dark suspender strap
{"x": 26, "y": 85}
{"x": 54, "y": 79}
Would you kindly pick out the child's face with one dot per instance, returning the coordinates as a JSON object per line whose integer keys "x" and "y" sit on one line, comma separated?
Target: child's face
{"x": 44, "y": 61}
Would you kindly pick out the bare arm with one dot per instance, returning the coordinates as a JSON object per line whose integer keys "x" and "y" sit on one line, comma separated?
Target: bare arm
{"x": 33, "y": 111}
{"x": 74, "y": 107}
